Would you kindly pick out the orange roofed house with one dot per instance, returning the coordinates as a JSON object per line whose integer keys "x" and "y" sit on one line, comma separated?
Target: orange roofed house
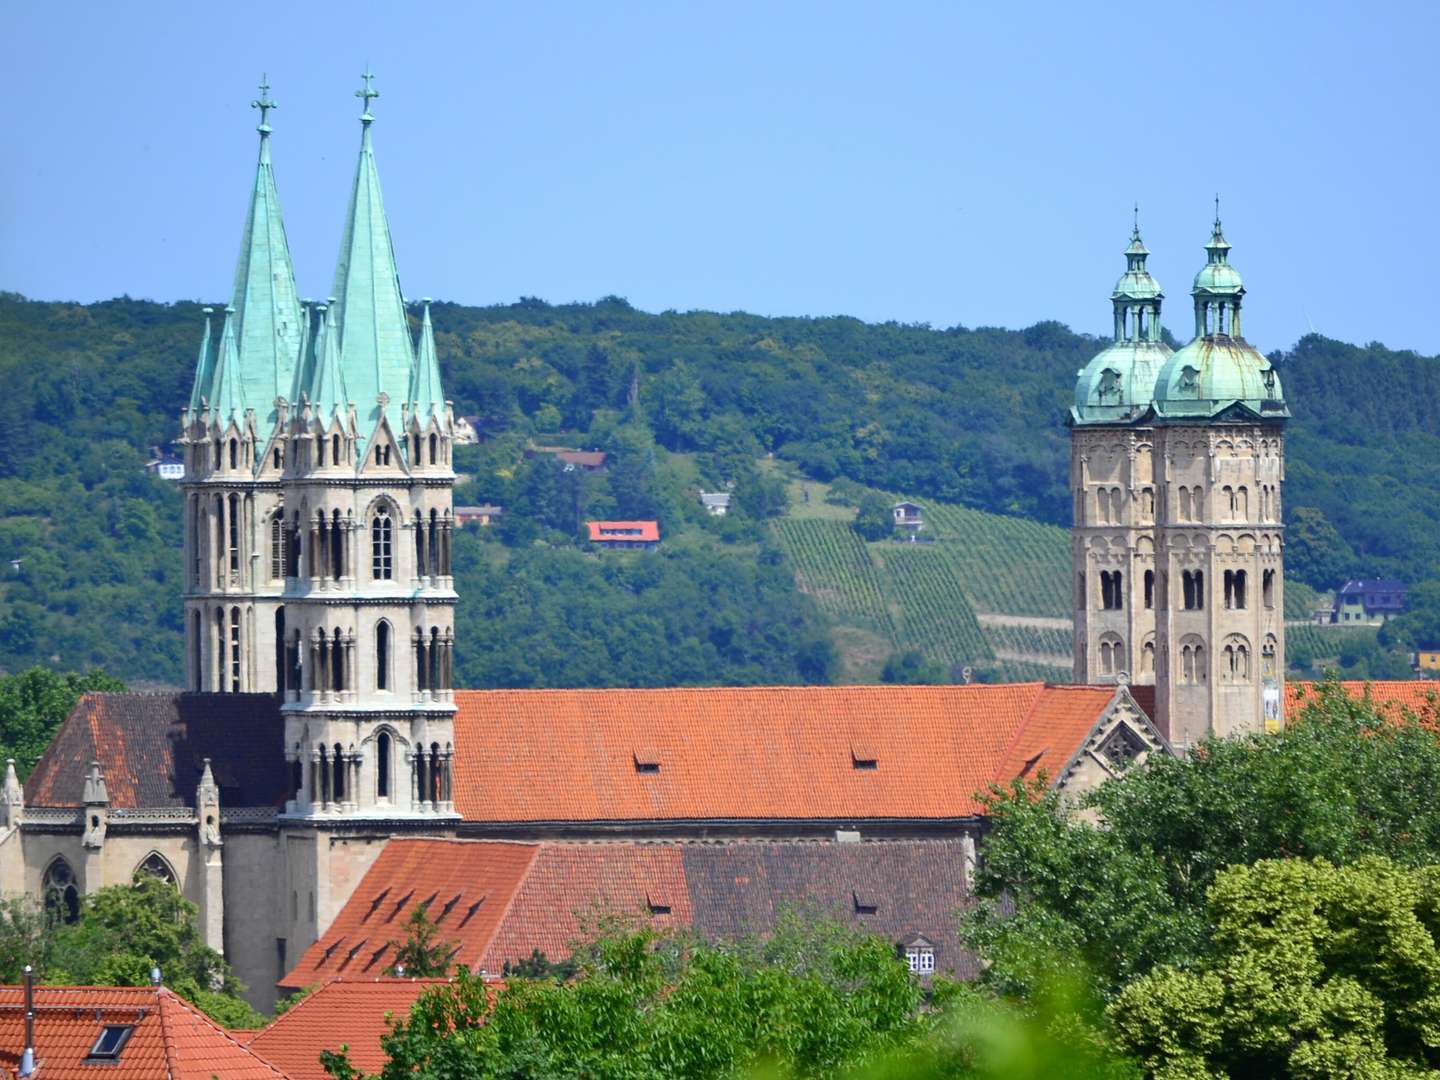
{"x": 125, "y": 1033}
{"x": 624, "y": 534}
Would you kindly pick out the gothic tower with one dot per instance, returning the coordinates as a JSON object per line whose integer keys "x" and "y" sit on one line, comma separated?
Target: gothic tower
{"x": 1219, "y": 455}
{"x": 1113, "y": 486}
{"x": 232, "y": 438}
{"x": 368, "y": 593}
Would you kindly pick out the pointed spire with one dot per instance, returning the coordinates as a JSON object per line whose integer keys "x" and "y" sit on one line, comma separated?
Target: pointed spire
{"x": 227, "y": 397}
{"x": 203, "y": 365}
{"x": 327, "y": 390}
{"x": 426, "y": 397}
{"x": 268, "y": 323}
{"x": 1217, "y": 248}
{"x": 376, "y": 354}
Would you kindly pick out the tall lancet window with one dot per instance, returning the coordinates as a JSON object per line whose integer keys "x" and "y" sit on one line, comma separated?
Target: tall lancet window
{"x": 382, "y": 562}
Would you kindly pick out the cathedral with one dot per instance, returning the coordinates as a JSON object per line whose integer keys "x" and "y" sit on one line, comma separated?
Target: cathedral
{"x": 320, "y": 776}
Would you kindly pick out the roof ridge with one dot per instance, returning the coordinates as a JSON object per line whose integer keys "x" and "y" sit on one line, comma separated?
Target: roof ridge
{"x": 771, "y": 687}
{"x": 164, "y": 994}
{"x": 505, "y": 911}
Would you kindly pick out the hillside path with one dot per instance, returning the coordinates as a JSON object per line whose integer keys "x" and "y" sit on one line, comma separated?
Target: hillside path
{"x": 1039, "y": 622}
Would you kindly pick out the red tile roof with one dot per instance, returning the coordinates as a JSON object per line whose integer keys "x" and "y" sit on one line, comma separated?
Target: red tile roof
{"x": 748, "y": 753}
{"x": 496, "y": 901}
{"x": 350, "y": 1012}
{"x": 151, "y": 747}
{"x": 1419, "y": 697}
{"x": 587, "y": 459}
{"x": 632, "y": 531}
{"x": 172, "y": 1040}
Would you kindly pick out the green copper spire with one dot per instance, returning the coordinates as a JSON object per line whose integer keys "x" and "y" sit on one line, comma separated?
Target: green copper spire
{"x": 327, "y": 391}
{"x": 203, "y": 363}
{"x": 227, "y": 397}
{"x": 426, "y": 398}
{"x": 268, "y": 320}
{"x": 376, "y": 355}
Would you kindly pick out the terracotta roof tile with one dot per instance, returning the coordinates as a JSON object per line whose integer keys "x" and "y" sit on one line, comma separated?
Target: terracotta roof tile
{"x": 747, "y": 753}
{"x": 349, "y": 1012}
{"x": 172, "y": 1040}
{"x": 469, "y": 883}
{"x": 151, "y": 746}
{"x": 638, "y": 531}
{"x": 1419, "y": 697}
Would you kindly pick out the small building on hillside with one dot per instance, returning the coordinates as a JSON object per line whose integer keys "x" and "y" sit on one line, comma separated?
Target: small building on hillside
{"x": 1368, "y": 602}
{"x": 1427, "y": 660}
{"x": 483, "y": 516}
{"x": 591, "y": 461}
{"x": 467, "y": 430}
{"x": 165, "y": 465}
{"x": 624, "y": 534}
{"x": 909, "y": 517}
{"x": 716, "y": 503}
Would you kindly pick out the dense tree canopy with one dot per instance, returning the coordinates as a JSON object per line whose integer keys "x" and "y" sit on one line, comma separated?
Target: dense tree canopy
{"x": 32, "y": 705}
{"x": 968, "y": 415}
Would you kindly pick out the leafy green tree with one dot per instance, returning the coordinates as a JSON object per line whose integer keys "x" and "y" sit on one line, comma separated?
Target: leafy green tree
{"x": 1315, "y": 553}
{"x": 1419, "y": 627}
{"x": 126, "y": 930}
{"x": 631, "y": 468}
{"x": 25, "y": 937}
{"x": 875, "y": 520}
{"x": 424, "y": 954}
{"x": 33, "y": 704}
{"x": 1314, "y": 971}
{"x": 1112, "y": 903}
{"x": 912, "y": 667}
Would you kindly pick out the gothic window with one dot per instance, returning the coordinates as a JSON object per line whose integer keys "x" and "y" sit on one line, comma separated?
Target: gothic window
{"x": 323, "y": 771}
{"x": 1184, "y": 504}
{"x": 382, "y": 764}
{"x": 234, "y": 534}
{"x": 434, "y": 658}
{"x": 1235, "y": 660}
{"x": 1117, "y": 509}
{"x": 434, "y": 541}
{"x": 197, "y": 531}
{"x": 1147, "y": 503}
{"x": 433, "y": 774}
{"x": 422, "y": 667}
{"x": 218, "y": 668}
{"x": 434, "y": 447}
{"x": 234, "y": 453}
{"x": 281, "y": 668}
{"x": 382, "y": 565}
{"x": 382, "y": 455}
{"x": 156, "y": 866}
{"x": 1147, "y": 658}
{"x": 335, "y": 448}
{"x": 197, "y": 676}
{"x": 1192, "y": 662}
{"x": 234, "y": 650}
{"x": 62, "y": 896}
{"x": 1242, "y": 504}
{"x": 277, "y": 546}
{"x": 1267, "y": 587}
{"x": 1080, "y": 596}
{"x": 382, "y": 655}
{"x": 279, "y": 457}
{"x": 1149, "y": 590}
{"x": 217, "y": 454}
{"x": 320, "y": 450}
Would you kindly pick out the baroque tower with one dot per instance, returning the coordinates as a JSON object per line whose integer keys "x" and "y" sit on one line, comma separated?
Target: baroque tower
{"x": 1219, "y": 455}
{"x": 232, "y": 439}
{"x": 368, "y": 592}
{"x": 1113, "y": 486}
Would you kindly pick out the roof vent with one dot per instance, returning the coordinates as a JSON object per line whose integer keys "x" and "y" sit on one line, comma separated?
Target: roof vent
{"x": 863, "y": 755}
{"x": 865, "y": 904}
{"x": 657, "y": 907}
{"x": 647, "y": 759}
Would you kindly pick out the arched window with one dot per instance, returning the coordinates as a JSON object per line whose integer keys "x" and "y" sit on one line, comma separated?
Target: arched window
{"x": 434, "y": 448}
{"x": 1080, "y": 596}
{"x": 234, "y": 453}
{"x": 1184, "y": 504}
{"x": 1112, "y": 593}
{"x": 196, "y": 652}
{"x": 156, "y": 866}
{"x": 281, "y": 667}
{"x": 434, "y": 658}
{"x": 337, "y": 662}
{"x": 320, "y": 450}
{"x": 337, "y": 546}
{"x": 1149, "y": 590}
{"x": 335, "y": 448}
{"x": 1193, "y": 583}
{"x": 1267, "y": 656}
{"x": 1192, "y": 662}
{"x": 1267, "y": 587}
{"x": 1117, "y": 507}
{"x": 62, "y": 896}
{"x": 434, "y": 771}
{"x": 234, "y": 535}
{"x": 235, "y": 650}
{"x": 433, "y": 541}
{"x": 382, "y": 655}
{"x": 277, "y": 546}
{"x": 1147, "y": 503}
{"x": 382, "y": 564}
{"x": 1242, "y": 504}
{"x": 1111, "y": 655}
{"x": 337, "y": 780}
{"x": 217, "y": 453}
{"x": 422, "y": 666}
{"x": 1102, "y": 505}
{"x": 1147, "y": 658}
{"x": 382, "y": 764}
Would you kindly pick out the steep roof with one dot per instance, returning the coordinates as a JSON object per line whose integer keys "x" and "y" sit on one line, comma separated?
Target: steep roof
{"x": 495, "y": 901}
{"x": 151, "y": 748}
{"x": 838, "y": 753}
{"x": 172, "y": 1040}
{"x": 350, "y": 1012}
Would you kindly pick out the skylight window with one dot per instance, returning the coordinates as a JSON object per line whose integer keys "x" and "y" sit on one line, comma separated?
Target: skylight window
{"x": 112, "y": 1040}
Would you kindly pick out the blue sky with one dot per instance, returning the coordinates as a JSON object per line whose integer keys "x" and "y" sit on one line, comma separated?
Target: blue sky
{"x": 942, "y": 163}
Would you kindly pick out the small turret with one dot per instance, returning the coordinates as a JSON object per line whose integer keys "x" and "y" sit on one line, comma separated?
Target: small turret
{"x": 97, "y": 806}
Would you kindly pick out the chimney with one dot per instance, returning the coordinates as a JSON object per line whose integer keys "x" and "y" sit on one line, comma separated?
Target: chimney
{"x": 27, "y": 1058}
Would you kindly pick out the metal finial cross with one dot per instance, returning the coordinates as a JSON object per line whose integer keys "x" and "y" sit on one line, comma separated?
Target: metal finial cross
{"x": 263, "y": 102}
{"x": 367, "y": 91}
{"x": 1217, "y": 208}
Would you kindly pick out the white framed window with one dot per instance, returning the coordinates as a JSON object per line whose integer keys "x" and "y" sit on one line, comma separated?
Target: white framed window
{"x": 920, "y": 959}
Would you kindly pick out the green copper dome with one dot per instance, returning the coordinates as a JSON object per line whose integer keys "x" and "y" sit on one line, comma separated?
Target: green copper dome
{"x": 1115, "y": 386}
{"x": 1218, "y": 371}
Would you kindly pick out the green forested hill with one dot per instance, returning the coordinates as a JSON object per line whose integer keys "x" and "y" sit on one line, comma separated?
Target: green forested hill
{"x": 974, "y": 417}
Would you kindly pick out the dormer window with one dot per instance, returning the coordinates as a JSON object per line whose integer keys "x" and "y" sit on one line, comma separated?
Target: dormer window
{"x": 864, "y": 756}
{"x": 920, "y": 959}
{"x": 865, "y": 904}
{"x": 111, "y": 1041}
{"x": 647, "y": 760}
